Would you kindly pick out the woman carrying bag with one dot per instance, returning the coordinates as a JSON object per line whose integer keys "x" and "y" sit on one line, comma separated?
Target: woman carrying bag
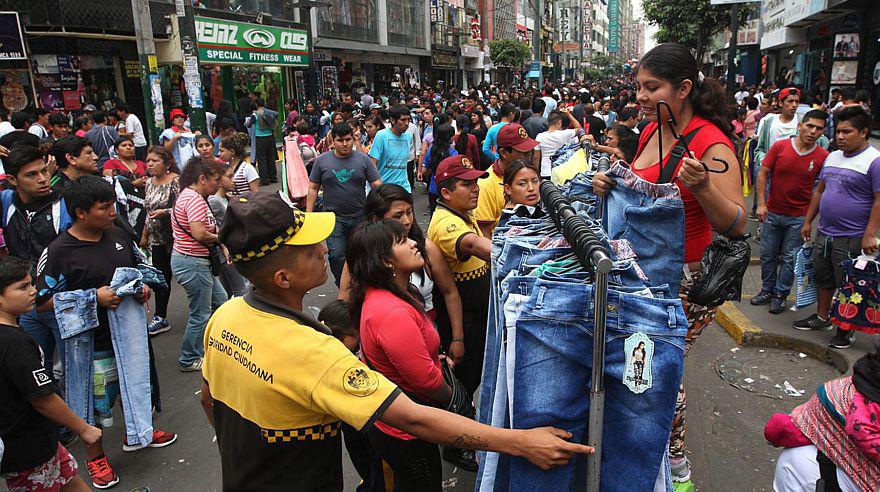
{"x": 195, "y": 241}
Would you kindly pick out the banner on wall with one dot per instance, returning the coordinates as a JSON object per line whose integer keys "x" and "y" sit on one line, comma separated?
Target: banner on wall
{"x": 11, "y": 39}
{"x": 225, "y": 41}
{"x": 613, "y": 26}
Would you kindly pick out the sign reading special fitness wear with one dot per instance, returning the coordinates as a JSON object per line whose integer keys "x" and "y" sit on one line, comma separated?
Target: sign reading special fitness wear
{"x": 225, "y": 41}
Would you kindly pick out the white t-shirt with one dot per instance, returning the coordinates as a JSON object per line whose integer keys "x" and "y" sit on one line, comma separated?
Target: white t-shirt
{"x": 244, "y": 175}
{"x": 549, "y": 143}
{"x": 6, "y": 127}
{"x": 781, "y": 131}
{"x": 740, "y": 96}
{"x": 133, "y": 126}
{"x": 38, "y": 130}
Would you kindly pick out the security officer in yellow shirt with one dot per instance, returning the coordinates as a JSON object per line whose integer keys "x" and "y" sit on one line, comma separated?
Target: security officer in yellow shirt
{"x": 513, "y": 143}
{"x": 276, "y": 384}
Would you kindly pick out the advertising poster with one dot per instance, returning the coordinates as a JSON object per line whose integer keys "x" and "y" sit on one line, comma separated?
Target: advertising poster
{"x": 15, "y": 89}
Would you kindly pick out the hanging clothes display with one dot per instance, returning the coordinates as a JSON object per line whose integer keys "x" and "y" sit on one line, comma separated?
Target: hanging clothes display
{"x": 543, "y": 312}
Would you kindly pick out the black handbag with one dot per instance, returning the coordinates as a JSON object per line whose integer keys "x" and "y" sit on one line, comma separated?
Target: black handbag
{"x": 721, "y": 272}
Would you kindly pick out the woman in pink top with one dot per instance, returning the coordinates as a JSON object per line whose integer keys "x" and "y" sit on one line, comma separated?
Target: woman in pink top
{"x": 397, "y": 340}
{"x": 753, "y": 116}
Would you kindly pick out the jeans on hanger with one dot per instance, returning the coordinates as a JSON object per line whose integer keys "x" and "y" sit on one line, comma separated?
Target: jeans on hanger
{"x": 77, "y": 315}
{"x": 651, "y": 217}
{"x": 553, "y": 371}
{"x": 128, "y": 331}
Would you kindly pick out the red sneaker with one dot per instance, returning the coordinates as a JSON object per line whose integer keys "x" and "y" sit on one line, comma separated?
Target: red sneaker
{"x": 103, "y": 476}
{"x": 160, "y": 440}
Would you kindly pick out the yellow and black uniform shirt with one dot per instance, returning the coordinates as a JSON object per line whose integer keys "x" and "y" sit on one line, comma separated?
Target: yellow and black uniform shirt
{"x": 471, "y": 274}
{"x": 492, "y": 200}
{"x": 281, "y": 384}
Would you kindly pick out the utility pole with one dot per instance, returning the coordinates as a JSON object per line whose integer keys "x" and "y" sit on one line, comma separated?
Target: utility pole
{"x": 731, "y": 48}
{"x": 536, "y": 37}
{"x": 186, "y": 23}
{"x": 143, "y": 31}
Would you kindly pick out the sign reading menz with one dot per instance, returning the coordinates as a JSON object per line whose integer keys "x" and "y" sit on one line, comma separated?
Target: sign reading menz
{"x": 11, "y": 40}
{"x": 239, "y": 43}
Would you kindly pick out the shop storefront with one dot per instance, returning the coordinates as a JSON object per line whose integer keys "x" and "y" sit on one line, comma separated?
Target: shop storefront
{"x": 359, "y": 72}
{"x": 237, "y": 58}
{"x": 16, "y": 86}
{"x": 444, "y": 68}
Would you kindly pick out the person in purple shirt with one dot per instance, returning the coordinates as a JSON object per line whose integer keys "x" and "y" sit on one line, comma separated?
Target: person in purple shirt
{"x": 847, "y": 200}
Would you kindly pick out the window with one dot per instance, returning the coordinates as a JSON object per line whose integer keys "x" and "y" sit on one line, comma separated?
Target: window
{"x": 406, "y": 23}
{"x": 349, "y": 19}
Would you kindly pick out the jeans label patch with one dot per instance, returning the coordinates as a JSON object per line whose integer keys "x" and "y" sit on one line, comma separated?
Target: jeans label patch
{"x": 638, "y": 375}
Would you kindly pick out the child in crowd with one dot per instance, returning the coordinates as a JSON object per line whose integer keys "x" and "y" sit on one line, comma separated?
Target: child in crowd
{"x": 31, "y": 457}
{"x": 336, "y": 316}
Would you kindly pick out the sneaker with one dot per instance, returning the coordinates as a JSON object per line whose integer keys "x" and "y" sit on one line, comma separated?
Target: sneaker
{"x": 160, "y": 440}
{"x": 761, "y": 298}
{"x": 812, "y": 322}
{"x": 681, "y": 469}
{"x": 194, "y": 367}
{"x": 462, "y": 458}
{"x": 158, "y": 325}
{"x": 777, "y": 305}
{"x": 842, "y": 339}
{"x": 103, "y": 476}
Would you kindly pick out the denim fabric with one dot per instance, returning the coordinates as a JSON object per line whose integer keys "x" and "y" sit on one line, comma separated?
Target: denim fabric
{"x": 77, "y": 315}
{"x": 205, "y": 294}
{"x": 780, "y": 236}
{"x": 580, "y": 185}
{"x": 43, "y": 328}
{"x": 337, "y": 241}
{"x": 152, "y": 276}
{"x": 651, "y": 217}
{"x": 553, "y": 370}
{"x": 128, "y": 330}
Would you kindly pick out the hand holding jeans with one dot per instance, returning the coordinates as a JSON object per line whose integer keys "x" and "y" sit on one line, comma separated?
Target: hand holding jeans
{"x": 602, "y": 184}
{"x": 107, "y": 298}
{"x": 546, "y": 447}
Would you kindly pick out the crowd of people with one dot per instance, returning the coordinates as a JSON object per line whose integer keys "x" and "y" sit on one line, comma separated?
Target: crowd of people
{"x": 97, "y": 225}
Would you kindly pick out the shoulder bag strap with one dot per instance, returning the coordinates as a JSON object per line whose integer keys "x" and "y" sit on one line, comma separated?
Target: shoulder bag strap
{"x": 676, "y": 154}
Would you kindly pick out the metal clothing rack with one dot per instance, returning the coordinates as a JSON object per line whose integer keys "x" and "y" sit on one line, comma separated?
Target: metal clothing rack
{"x": 595, "y": 257}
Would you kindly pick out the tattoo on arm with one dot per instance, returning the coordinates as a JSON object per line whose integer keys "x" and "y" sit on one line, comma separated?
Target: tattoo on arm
{"x": 470, "y": 441}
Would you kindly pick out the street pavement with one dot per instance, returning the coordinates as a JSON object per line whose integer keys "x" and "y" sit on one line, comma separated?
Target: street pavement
{"x": 725, "y": 419}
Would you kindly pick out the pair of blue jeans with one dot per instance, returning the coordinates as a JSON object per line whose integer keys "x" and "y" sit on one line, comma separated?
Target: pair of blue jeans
{"x": 128, "y": 332}
{"x": 337, "y": 242}
{"x": 77, "y": 315}
{"x": 651, "y": 217}
{"x": 43, "y": 328}
{"x": 554, "y": 340}
{"x": 205, "y": 294}
{"x": 780, "y": 236}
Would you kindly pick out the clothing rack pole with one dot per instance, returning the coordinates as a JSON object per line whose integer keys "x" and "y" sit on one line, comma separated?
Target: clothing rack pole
{"x": 595, "y": 257}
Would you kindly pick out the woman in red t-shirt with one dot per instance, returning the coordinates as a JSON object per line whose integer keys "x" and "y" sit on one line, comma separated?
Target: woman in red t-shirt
{"x": 399, "y": 341}
{"x": 670, "y": 73}
{"x": 125, "y": 163}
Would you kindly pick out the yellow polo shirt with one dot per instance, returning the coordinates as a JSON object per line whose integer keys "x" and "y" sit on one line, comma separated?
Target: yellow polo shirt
{"x": 446, "y": 230}
{"x": 492, "y": 200}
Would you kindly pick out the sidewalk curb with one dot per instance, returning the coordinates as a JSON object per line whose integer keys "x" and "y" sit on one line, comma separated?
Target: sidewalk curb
{"x": 748, "y": 334}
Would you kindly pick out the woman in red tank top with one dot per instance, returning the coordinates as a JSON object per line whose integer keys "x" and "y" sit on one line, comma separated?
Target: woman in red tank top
{"x": 698, "y": 104}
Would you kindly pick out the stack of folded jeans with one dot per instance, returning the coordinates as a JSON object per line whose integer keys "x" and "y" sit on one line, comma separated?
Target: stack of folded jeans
{"x": 537, "y": 366}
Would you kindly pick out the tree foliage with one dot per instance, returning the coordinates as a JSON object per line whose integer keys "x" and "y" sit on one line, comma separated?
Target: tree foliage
{"x": 509, "y": 53}
{"x": 690, "y": 22}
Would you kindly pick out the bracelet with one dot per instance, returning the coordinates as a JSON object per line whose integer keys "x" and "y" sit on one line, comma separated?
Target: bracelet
{"x": 458, "y": 340}
{"x": 735, "y": 221}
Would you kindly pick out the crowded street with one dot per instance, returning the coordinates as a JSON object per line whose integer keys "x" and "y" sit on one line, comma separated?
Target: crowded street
{"x": 419, "y": 246}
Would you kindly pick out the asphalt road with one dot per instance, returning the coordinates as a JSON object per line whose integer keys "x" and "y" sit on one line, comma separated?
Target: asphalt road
{"x": 725, "y": 442}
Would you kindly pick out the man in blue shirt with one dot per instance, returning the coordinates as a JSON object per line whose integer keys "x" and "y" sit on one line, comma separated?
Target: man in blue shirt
{"x": 264, "y": 128}
{"x": 390, "y": 150}
{"x": 509, "y": 113}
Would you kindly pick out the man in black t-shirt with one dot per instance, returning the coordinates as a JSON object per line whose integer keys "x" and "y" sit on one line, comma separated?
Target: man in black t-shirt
{"x": 85, "y": 257}
{"x": 31, "y": 409}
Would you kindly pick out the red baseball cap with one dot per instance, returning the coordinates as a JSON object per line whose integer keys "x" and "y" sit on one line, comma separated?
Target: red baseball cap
{"x": 177, "y": 112}
{"x": 789, "y": 91}
{"x": 458, "y": 166}
{"x": 514, "y": 135}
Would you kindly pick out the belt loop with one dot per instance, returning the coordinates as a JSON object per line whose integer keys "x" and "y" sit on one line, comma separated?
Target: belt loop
{"x": 540, "y": 302}
{"x": 670, "y": 310}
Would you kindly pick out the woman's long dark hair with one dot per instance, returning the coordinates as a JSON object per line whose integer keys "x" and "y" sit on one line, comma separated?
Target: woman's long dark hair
{"x": 379, "y": 202}
{"x": 367, "y": 253}
{"x": 442, "y": 142}
{"x": 675, "y": 63}
{"x": 479, "y": 114}
{"x": 463, "y": 123}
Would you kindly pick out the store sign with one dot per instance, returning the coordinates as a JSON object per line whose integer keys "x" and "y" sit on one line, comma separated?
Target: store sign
{"x": 443, "y": 60}
{"x": 748, "y": 33}
{"x": 225, "y": 41}
{"x": 12, "y": 45}
{"x": 796, "y": 10}
{"x": 133, "y": 69}
{"x": 613, "y": 26}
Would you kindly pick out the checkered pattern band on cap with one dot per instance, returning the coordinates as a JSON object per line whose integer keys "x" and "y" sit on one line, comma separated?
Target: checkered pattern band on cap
{"x": 298, "y": 220}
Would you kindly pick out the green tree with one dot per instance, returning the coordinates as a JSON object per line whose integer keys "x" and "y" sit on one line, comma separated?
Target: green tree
{"x": 509, "y": 53}
{"x": 690, "y": 22}
{"x": 601, "y": 60}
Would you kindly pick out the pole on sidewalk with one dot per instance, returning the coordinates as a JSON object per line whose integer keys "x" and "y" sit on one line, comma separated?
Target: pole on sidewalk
{"x": 536, "y": 39}
{"x": 731, "y": 48}
{"x": 186, "y": 23}
{"x": 143, "y": 30}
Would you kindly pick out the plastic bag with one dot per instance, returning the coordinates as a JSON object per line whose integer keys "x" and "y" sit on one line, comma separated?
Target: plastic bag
{"x": 722, "y": 269}
{"x": 806, "y": 292}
